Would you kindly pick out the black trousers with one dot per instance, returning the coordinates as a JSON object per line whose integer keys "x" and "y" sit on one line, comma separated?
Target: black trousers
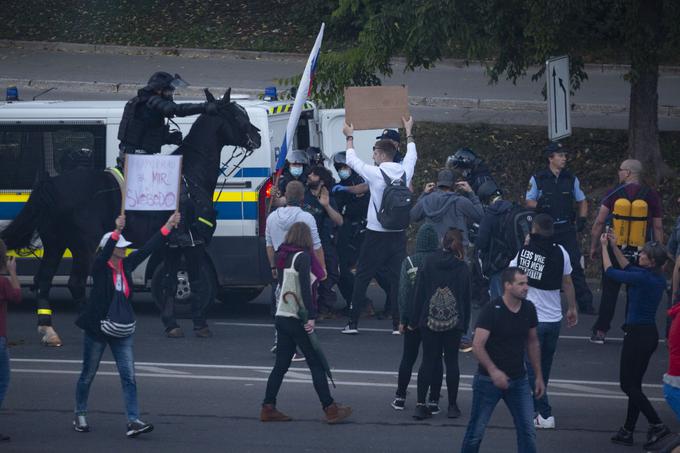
{"x": 608, "y": 299}
{"x": 568, "y": 240}
{"x": 193, "y": 257}
{"x": 380, "y": 250}
{"x": 639, "y": 343}
{"x": 434, "y": 345}
{"x": 291, "y": 334}
{"x": 412, "y": 340}
{"x": 327, "y": 297}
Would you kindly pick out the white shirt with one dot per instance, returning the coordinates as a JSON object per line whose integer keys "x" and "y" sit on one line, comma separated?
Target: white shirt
{"x": 376, "y": 182}
{"x": 548, "y": 302}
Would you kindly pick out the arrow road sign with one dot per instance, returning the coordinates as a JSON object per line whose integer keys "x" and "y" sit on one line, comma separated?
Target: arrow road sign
{"x": 559, "y": 118}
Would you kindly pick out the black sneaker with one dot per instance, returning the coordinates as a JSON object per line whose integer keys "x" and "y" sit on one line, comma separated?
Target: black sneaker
{"x": 138, "y": 427}
{"x": 80, "y": 423}
{"x": 433, "y": 407}
{"x": 422, "y": 412}
{"x": 398, "y": 404}
{"x": 656, "y": 434}
{"x": 453, "y": 411}
{"x": 623, "y": 437}
{"x": 597, "y": 337}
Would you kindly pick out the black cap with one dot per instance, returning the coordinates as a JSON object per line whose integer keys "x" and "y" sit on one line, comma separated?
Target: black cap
{"x": 390, "y": 134}
{"x": 445, "y": 178}
{"x": 554, "y": 147}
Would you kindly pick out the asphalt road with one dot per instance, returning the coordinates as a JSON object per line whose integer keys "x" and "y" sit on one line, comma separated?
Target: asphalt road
{"x": 204, "y": 394}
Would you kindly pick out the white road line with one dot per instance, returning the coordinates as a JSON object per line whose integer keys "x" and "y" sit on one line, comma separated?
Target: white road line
{"x": 298, "y": 369}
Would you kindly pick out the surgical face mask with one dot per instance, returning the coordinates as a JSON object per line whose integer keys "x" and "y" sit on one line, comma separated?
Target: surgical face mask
{"x": 345, "y": 173}
{"x": 296, "y": 171}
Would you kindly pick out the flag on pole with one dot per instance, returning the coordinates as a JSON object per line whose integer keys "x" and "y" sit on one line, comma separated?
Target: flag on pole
{"x": 304, "y": 90}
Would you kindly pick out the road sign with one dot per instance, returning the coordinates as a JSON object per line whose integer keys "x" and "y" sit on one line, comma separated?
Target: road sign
{"x": 559, "y": 113}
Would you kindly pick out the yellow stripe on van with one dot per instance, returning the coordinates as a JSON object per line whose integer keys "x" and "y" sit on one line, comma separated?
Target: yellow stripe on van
{"x": 14, "y": 197}
{"x": 235, "y": 196}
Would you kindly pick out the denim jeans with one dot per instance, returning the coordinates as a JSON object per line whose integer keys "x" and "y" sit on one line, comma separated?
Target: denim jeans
{"x": 4, "y": 368}
{"x": 495, "y": 286}
{"x": 548, "y": 335}
{"x": 517, "y": 398}
{"x": 672, "y": 395}
{"x": 121, "y": 348}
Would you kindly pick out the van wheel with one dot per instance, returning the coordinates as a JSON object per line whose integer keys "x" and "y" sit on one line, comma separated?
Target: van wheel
{"x": 233, "y": 296}
{"x": 183, "y": 293}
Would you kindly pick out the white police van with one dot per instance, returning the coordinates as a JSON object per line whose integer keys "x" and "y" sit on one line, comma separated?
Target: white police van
{"x": 34, "y": 137}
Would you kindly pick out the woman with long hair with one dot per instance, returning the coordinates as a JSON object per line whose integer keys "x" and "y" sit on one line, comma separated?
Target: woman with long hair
{"x": 295, "y": 256}
{"x": 441, "y": 311}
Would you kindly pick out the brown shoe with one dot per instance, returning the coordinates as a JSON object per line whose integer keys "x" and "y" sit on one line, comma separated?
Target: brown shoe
{"x": 203, "y": 332}
{"x": 174, "y": 333}
{"x": 335, "y": 413}
{"x": 269, "y": 413}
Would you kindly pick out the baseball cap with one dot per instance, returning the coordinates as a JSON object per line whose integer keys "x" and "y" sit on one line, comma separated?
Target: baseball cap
{"x": 390, "y": 134}
{"x": 445, "y": 178}
{"x": 122, "y": 242}
{"x": 554, "y": 147}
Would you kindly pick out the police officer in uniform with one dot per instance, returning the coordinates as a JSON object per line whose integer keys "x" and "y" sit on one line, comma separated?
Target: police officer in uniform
{"x": 295, "y": 169}
{"x": 143, "y": 128}
{"x": 554, "y": 191}
{"x": 474, "y": 169}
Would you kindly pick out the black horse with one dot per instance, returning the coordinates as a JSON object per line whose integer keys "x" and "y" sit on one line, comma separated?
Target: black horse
{"x": 73, "y": 210}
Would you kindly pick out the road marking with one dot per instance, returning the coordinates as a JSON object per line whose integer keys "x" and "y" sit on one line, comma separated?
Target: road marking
{"x": 157, "y": 369}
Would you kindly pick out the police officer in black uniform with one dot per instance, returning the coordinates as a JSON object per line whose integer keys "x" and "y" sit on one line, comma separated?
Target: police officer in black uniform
{"x": 295, "y": 169}
{"x": 143, "y": 128}
{"x": 474, "y": 169}
{"x": 554, "y": 191}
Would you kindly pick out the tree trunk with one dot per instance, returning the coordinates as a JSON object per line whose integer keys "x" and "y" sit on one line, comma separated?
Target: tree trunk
{"x": 643, "y": 120}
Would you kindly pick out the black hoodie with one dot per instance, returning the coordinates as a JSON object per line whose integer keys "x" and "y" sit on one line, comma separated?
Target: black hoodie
{"x": 442, "y": 269}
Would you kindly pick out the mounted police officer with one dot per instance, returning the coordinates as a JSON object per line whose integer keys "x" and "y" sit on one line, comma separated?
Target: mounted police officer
{"x": 474, "y": 169}
{"x": 555, "y": 191}
{"x": 143, "y": 129}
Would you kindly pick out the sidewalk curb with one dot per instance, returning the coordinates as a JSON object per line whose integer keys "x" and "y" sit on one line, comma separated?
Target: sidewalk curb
{"x": 503, "y": 105}
{"x": 251, "y": 55}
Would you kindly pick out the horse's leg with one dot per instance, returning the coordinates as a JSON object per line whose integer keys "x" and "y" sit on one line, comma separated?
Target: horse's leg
{"x": 53, "y": 251}
{"x": 83, "y": 253}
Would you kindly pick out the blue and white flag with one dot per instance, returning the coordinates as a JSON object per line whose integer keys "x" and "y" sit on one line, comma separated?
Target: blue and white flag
{"x": 304, "y": 90}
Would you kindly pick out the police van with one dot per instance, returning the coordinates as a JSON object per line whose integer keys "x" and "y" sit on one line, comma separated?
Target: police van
{"x": 36, "y": 137}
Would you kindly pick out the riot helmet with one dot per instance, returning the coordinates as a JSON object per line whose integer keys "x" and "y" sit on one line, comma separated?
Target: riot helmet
{"x": 340, "y": 159}
{"x": 315, "y": 156}
{"x": 488, "y": 191}
{"x": 463, "y": 158}
{"x": 297, "y": 160}
{"x": 161, "y": 81}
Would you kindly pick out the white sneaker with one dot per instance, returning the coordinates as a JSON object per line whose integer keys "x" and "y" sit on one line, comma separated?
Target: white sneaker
{"x": 350, "y": 330}
{"x": 544, "y": 423}
{"x": 396, "y": 332}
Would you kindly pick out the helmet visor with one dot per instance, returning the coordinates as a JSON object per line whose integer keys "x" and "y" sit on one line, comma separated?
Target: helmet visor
{"x": 178, "y": 82}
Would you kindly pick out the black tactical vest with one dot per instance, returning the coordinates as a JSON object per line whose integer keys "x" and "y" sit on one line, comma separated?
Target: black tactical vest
{"x": 543, "y": 262}
{"x": 140, "y": 126}
{"x": 557, "y": 195}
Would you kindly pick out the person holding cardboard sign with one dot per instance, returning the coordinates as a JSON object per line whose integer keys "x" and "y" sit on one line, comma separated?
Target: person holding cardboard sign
{"x": 388, "y": 216}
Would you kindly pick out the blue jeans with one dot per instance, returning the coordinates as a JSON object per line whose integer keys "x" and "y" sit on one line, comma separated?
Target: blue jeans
{"x": 4, "y": 368}
{"x": 485, "y": 396}
{"x": 672, "y": 395}
{"x": 121, "y": 348}
{"x": 548, "y": 335}
{"x": 495, "y": 286}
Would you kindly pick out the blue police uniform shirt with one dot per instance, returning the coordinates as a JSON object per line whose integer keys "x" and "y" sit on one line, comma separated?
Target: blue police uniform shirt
{"x": 534, "y": 194}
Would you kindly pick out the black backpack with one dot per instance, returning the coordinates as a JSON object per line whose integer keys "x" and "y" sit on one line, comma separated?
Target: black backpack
{"x": 395, "y": 207}
{"x": 514, "y": 226}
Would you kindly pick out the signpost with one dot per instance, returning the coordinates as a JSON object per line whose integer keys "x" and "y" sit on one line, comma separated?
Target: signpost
{"x": 559, "y": 112}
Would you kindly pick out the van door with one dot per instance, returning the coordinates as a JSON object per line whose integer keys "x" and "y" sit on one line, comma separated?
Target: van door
{"x": 333, "y": 140}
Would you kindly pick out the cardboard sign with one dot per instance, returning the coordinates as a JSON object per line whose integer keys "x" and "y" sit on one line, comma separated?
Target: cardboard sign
{"x": 152, "y": 182}
{"x": 376, "y": 107}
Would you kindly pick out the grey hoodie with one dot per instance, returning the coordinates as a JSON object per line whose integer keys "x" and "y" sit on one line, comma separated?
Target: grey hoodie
{"x": 280, "y": 221}
{"x": 446, "y": 210}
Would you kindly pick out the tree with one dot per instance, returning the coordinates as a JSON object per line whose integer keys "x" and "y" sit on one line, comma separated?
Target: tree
{"x": 513, "y": 37}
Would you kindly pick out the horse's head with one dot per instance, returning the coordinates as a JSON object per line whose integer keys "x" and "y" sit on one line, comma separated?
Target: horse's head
{"x": 236, "y": 129}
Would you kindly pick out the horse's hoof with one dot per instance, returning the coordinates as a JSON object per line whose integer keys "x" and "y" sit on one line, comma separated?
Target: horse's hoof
{"x": 50, "y": 337}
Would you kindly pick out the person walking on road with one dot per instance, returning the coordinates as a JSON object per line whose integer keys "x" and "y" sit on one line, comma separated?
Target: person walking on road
{"x": 296, "y": 260}
{"x": 441, "y": 311}
{"x": 505, "y": 333}
{"x": 554, "y": 191}
{"x": 108, "y": 319}
{"x": 383, "y": 246}
{"x": 427, "y": 242}
{"x": 10, "y": 292}
{"x": 646, "y": 286}
{"x": 631, "y": 188}
{"x": 549, "y": 270}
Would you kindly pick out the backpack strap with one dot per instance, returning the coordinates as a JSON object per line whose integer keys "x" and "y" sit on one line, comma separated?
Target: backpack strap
{"x": 388, "y": 180}
{"x": 410, "y": 262}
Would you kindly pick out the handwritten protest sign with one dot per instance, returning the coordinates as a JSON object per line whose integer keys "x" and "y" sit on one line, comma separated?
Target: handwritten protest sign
{"x": 376, "y": 107}
{"x": 152, "y": 182}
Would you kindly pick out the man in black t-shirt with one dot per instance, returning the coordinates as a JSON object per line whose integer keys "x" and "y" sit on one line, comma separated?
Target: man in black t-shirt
{"x": 506, "y": 330}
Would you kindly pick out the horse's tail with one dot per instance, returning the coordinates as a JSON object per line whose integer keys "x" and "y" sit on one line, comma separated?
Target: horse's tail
{"x": 21, "y": 232}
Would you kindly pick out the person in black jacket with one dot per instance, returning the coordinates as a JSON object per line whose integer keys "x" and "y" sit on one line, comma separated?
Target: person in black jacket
{"x": 112, "y": 284}
{"x": 441, "y": 310}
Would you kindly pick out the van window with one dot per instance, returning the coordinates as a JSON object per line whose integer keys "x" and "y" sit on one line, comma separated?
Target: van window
{"x": 30, "y": 152}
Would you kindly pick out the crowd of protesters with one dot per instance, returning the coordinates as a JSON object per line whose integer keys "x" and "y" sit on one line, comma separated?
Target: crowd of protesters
{"x": 322, "y": 234}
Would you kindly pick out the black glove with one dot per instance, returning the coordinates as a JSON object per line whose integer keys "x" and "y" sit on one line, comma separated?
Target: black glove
{"x": 211, "y": 108}
{"x": 174, "y": 138}
{"x": 581, "y": 224}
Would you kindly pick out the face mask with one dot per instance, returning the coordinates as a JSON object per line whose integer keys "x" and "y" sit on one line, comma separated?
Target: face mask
{"x": 313, "y": 184}
{"x": 296, "y": 171}
{"x": 344, "y": 174}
